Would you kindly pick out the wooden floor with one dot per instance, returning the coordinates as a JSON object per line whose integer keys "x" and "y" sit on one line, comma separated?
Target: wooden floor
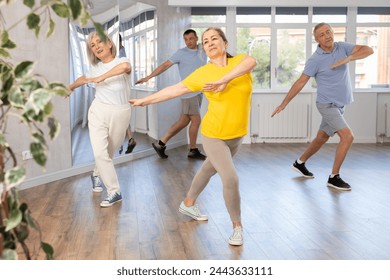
{"x": 284, "y": 215}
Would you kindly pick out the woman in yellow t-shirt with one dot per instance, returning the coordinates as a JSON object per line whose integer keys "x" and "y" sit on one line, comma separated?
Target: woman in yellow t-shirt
{"x": 227, "y": 84}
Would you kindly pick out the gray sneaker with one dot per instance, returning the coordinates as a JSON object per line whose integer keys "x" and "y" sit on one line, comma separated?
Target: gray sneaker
{"x": 236, "y": 238}
{"x": 193, "y": 212}
{"x": 111, "y": 199}
{"x": 97, "y": 184}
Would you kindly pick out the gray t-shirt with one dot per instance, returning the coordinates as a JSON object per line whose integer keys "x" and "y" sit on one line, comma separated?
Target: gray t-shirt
{"x": 333, "y": 85}
{"x": 188, "y": 61}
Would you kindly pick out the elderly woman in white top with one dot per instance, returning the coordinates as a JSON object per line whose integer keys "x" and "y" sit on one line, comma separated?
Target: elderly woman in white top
{"x": 109, "y": 114}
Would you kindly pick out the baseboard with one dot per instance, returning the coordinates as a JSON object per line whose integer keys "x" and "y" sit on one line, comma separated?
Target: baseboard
{"x": 62, "y": 174}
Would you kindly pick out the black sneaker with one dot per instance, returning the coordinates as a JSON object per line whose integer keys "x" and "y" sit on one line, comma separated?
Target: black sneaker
{"x": 121, "y": 149}
{"x": 130, "y": 146}
{"x": 301, "y": 168}
{"x": 160, "y": 150}
{"x": 337, "y": 183}
{"x": 196, "y": 154}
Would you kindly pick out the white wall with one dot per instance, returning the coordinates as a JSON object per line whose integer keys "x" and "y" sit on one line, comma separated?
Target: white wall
{"x": 52, "y": 62}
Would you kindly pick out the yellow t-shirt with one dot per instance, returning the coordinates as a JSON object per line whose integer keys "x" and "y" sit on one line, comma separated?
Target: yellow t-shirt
{"x": 228, "y": 111}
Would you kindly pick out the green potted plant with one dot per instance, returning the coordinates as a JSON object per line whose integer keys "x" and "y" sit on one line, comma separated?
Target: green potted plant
{"x": 27, "y": 97}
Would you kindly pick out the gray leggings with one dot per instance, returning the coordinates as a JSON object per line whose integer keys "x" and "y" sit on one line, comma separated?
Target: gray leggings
{"x": 220, "y": 159}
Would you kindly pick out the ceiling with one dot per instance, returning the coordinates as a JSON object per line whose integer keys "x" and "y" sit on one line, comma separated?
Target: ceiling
{"x": 102, "y": 6}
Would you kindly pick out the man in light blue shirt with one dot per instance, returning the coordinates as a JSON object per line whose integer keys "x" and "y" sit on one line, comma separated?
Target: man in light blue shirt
{"x": 188, "y": 60}
{"x": 328, "y": 65}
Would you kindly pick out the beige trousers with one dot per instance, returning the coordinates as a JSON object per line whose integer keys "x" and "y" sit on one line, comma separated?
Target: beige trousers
{"x": 107, "y": 128}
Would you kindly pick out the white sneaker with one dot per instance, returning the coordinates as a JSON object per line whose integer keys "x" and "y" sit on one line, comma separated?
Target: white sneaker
{"x": 236, "y": 238}
{"x": 193, "y": 212}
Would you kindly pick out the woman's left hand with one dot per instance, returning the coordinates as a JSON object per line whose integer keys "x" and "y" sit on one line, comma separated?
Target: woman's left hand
{"x": 216, "y": 86}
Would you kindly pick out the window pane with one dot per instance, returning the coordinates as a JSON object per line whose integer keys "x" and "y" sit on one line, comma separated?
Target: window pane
{"x": 291, "y": 15}
{"x": 373, "y": 71}
{"x": 257, "y": 43}
{"x": 211, "y": 19}
{"x": 253, "y": 15}
{"x": 373, "y": 14}
{"x": 330, "y": 18}
{"x": 330, "y": 14}
{"x": 150, "y": 57}
{"x": 208, "y": 14}
{"x": 291, "y": 50}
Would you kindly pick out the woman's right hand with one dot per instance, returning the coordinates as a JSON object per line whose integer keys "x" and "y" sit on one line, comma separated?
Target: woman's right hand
{"x": 136, "y": 102}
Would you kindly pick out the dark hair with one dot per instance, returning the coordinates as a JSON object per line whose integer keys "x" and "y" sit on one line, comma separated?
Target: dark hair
{"x": 220, "y": 33}
{"x": 188, "y": 31}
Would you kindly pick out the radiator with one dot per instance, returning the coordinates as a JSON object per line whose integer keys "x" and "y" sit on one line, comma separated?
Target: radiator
{"x": 387, "y": 119}
{"x": 291, "y": 123}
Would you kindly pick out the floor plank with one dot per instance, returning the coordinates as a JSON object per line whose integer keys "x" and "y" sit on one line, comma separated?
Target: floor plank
{"x": 284, "y": 215}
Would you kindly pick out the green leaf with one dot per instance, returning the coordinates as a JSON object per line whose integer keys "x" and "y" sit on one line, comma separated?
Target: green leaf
{"x": 61, "y": 9}
{"x": 23, "y": 207}
{"x": 75, "y": 7}
{"x": 33, "y": 21}
{"x": 6, "y": 42}
{"x": 58, "y": 89}
{"x": 100, "y": 30}
{"x": 7, "y": 85}
{"x": 23, "y": 232}
{"x": 16, "y": 98}
{"x": 36, "y": 31}
{"x": 30, "y": 84}
{"x": 23, "y": 69}
{"x": 14, "y": 219}
{"x": 39, "y": 153}
{"x": 54, "y": 127}
{"x": 4, "y": 53}
{"x": 29, "y": 3}
{"x": 38, "y": 100}
{"x": 30, "y": 221}
{"x": 51, "y": 28}
{"x": 4, "y": 37}
{"x": 9, "y": 45}
{"x": 39, "y": 137}
{"x": 9, "y": 254}
{"x": 5, "y": 70}
{"x": 48, "y": 249}
{"x": 14, "y": 176}
{"x": 84, "y": 17}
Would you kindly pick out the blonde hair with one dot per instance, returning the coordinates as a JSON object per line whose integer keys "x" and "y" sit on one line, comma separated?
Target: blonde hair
{"x": 91, "y": 56}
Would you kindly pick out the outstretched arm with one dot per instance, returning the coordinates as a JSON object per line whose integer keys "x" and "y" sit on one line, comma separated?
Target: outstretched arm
{"x": 123, "y": 68}
{"x": 117, "y": 70}
{"x": 358, "y": 52}
{"x": 244, "y": 67}
{"x": 156, "y": 72}
{"x": 162, "y": 95}
{"x": 294, "y": 90}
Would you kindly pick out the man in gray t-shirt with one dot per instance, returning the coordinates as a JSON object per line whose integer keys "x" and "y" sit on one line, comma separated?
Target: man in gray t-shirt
{"x": 188, "y": 60}
{"x": 328, "y": 65}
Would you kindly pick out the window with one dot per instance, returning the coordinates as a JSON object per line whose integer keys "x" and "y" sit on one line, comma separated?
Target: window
{"x": 257, "y": 43}
{"x": 140, "y": 41}
{"x": 253, "y": 15}
{"x": 330, "y": 14}
{"x": 281, "y": 39}
{"x": 291, "y": 15}
{"x": 208, "y": 14}
{"x": 373, "y": 29}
